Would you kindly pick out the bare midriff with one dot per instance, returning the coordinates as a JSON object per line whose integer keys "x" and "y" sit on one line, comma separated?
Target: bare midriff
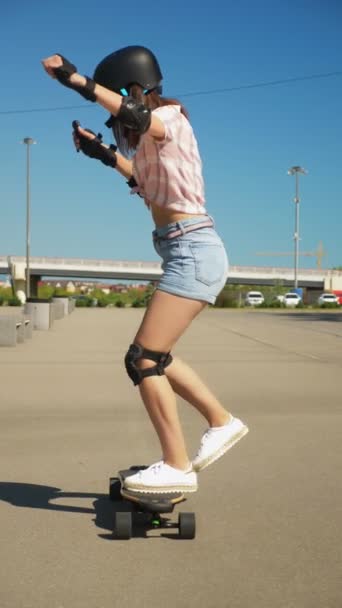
{"x": 162, "y": 216}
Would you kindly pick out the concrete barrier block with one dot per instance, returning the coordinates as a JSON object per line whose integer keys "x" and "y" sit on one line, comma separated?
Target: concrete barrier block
{"x": 28, "y": 325}
{"x": 8, "y": 331}
{"x": 65, "y": 301}
{"x": 58, "y": 309}
{"x": 41, "y": 313}
{"x": 20, "y": 327}
{"x": 72, "y": 304}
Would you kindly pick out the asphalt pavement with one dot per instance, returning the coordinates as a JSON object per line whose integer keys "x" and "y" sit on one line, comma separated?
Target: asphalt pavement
{"x": 269, "y": 515}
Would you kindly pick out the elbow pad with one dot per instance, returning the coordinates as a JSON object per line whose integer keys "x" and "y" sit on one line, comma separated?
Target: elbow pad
{"x": 134, "y": 115}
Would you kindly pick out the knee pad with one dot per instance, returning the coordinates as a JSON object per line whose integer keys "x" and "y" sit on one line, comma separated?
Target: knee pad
{"x": 136, "y": 352}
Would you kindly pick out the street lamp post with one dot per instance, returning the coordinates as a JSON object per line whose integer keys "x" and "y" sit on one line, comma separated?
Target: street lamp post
{"x": 28, "y": 141}
{"x": 295, "y": 171}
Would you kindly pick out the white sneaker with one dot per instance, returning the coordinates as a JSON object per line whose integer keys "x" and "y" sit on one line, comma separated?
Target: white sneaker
{"x": 216, "y": 441}
{"x": 161, "y": 478}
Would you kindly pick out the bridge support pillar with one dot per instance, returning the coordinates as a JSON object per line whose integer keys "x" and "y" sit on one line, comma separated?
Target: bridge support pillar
{"x": 20, "y": 285}
{"x": 18, "y": 275}
{"x": 333, "y": 282}
{"x": 34, "y": 280}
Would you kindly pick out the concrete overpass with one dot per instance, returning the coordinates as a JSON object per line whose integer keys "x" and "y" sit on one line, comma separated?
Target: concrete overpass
{"x": 44, "y": 267}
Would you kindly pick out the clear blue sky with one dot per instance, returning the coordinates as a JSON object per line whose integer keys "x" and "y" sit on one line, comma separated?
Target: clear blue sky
{"x": 248, "y": 138}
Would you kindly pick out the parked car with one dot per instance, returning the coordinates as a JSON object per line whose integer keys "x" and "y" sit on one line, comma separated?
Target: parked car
{"x": 254, "y": 298}
{"x": 292, "y": 299}
{"x": 328, "y": 298}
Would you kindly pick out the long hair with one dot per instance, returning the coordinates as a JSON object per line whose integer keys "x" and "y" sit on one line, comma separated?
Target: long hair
{"x": 127, "y": 139}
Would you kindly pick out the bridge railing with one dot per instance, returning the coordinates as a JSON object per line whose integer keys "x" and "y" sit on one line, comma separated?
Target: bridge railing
{"x": 280, "y": 270}
{"x": 49, "y": 262}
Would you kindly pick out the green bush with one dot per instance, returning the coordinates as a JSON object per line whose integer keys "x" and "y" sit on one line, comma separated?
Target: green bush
{"x": 119, "y": 304}
{"x": 272, "y": 304}
{"x": 6, "y": 294}
{"x": 14, "y": 301}
{"x": 83, "y": 302}
{"x": 277, "y": 304}
{"x": 138, "y": 303}
{"x": 60, "y": 291}
{"x": 226, "y": 299}
{"x": 329, "y": 305}
{"x": 142, "y": 299}
{"x": 47, "y": 291}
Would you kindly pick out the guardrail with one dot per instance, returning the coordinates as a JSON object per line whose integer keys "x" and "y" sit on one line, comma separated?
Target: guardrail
{"x": 44, "y": 261}
{"x": 45, "y": 264}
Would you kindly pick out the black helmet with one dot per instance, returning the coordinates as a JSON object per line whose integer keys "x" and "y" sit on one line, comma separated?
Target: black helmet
{"x": 127, "y": 66}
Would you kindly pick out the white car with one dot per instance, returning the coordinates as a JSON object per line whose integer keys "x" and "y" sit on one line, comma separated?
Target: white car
{"x": 292, "y": 299}
{"x": 254, "y": 298}
{"x": 328, "y": 298}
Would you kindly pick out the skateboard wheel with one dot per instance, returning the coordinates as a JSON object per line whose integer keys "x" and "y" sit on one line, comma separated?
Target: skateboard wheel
{"x": 123, "y": 525}
{"x": 114, "y": 488}
{"x": 187, "y": 525}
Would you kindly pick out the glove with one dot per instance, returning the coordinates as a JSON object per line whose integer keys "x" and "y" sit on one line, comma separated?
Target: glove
{"x": 94, "y": 147}
{"x": 63, "y": 74}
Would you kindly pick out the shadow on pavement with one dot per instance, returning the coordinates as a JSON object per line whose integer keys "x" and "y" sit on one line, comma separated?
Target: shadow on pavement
{"x": 38, "y": 497}
{"x": 312, "y": 316}
{"x": 35, "y": 496}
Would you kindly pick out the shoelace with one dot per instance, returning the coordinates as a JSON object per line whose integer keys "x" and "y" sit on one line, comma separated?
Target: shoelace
{"x": 154, "y": 468}
{"x": 205, "y": 436}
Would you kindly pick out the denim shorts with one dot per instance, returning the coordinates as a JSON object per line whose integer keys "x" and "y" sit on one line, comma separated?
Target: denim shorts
{"x": 195, "y": 264}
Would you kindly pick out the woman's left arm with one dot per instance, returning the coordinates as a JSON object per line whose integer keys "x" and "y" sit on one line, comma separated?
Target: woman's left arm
{"x": 58, "y": 67}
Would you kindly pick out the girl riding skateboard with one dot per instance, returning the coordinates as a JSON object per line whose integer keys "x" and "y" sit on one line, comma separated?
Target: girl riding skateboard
{"x": 157, "y": 153}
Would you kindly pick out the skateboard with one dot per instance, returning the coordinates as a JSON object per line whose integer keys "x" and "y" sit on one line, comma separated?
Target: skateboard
{"x": 151, "y": 506}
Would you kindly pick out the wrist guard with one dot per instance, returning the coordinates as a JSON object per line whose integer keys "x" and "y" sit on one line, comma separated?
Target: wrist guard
{"x": 63, "y": 74}
{"x": 94, "y": 148}
{"x": 132, "y": 183}
{"x": 134, "y": 115}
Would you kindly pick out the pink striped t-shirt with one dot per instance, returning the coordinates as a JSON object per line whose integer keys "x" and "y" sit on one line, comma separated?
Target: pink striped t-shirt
{"x": 169, "y": 172}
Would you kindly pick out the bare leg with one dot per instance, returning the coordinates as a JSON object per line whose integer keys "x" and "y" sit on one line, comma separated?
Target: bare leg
{"x": 164, "y": 322}
{"x": 160, "y": 402}
{"x": 187, "y": 384}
